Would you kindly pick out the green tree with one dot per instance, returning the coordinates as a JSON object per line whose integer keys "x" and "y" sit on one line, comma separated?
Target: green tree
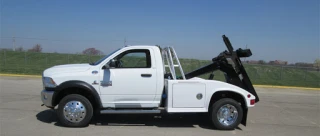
{"x": 36, "y": 48}
{"x": 92, "y": 51}
{"x": 261, "y": 62}
{"x": 19, "y": 49}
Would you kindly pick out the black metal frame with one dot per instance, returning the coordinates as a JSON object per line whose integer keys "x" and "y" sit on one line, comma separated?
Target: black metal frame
{"x": 235, "y": 74}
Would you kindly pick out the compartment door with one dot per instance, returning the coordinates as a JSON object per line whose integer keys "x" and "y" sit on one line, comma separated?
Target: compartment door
{"x": 188, "y": 95}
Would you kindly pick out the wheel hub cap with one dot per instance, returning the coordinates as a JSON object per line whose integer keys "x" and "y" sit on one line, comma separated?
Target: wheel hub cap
{"x": 227, "y": 115}
{"x": 74, "y": 111}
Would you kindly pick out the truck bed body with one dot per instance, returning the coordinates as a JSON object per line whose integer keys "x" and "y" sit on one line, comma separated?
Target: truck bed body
{"x": 193, "y": 95}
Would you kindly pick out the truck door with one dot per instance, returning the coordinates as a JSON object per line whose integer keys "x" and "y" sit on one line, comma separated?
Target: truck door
{"x": 132, "y": 82}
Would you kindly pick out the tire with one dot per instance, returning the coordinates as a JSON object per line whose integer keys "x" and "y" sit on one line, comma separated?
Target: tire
{"x": 83, "y": 115}
{"x": 222, "y": 105}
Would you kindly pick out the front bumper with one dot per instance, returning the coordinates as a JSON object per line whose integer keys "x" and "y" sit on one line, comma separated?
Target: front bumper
{"x": 46, "y": 97}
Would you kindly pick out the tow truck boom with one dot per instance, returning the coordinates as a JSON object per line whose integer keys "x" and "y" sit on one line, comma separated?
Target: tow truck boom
{"x": 234, "y": 74}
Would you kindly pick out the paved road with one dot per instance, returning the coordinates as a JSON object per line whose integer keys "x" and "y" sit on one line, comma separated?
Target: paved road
{"x": 280, "y": 113}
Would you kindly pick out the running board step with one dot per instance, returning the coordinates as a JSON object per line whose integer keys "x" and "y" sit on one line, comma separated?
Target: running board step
{"x": 130, "y": 111}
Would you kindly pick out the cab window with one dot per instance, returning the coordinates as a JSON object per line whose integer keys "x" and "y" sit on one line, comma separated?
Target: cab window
{"x": 134, "y": 59}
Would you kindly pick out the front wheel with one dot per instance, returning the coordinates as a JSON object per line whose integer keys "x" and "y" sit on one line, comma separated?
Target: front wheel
{"x": 75, "y": 110}
{"x": 226, "y": 114}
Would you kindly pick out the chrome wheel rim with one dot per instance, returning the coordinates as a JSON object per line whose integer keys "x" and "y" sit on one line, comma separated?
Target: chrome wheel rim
{"x": 74, "y": 111}
{"x": 227, "y": 114}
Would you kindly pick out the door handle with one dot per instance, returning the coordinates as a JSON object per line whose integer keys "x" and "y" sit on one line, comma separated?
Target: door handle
{"x": 146, "y": 75}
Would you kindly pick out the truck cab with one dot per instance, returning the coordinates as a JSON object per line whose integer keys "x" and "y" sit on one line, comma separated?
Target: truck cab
{"x": 132, "y": 77}
{"x": 143, "y": 79}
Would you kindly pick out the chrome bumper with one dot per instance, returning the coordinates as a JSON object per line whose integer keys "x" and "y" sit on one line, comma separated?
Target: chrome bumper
{"x": 46, "y": 97}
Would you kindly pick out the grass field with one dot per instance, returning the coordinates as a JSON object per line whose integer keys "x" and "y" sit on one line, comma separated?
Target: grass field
{"x": 35, "y": 63}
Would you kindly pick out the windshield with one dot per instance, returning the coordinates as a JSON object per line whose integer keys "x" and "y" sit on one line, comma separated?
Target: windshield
{"x": 102, "y": 59}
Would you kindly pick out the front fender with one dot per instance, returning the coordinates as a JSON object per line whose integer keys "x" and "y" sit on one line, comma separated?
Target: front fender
{"x": 76, "y": 84}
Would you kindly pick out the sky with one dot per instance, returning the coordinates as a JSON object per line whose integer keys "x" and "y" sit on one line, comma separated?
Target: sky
{"x": 272, "y": 29}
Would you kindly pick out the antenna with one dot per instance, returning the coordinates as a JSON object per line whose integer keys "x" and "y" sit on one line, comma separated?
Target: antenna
{"x": 13, "y": 43}
{"x": 125, "y": 41}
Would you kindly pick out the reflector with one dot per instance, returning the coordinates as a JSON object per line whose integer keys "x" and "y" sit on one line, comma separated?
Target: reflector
{"x": 252, "y": 101}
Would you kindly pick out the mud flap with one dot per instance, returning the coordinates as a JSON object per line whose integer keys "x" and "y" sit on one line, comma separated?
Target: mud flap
{"x": 244, "y": 118}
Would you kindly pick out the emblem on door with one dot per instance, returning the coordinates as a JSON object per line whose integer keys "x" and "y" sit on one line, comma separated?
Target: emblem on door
{"x": 199, "y": 96}
{"x": 94, "y": 72}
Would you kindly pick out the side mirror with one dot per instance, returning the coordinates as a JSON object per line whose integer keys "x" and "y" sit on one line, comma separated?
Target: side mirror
{"x": 106, "y": 66}
{"x": 110, "y": 64}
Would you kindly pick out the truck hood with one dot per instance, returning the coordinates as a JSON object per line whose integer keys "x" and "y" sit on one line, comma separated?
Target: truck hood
{"x": 69, "y": 68}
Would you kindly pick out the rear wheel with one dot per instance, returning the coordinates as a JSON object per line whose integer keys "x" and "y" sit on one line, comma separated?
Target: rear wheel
{"x": 75, "y": 110}
{"x": 226, "y": 114}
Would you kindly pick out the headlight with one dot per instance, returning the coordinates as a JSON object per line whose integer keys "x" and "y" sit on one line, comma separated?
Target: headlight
{"x": 48, "y": 82}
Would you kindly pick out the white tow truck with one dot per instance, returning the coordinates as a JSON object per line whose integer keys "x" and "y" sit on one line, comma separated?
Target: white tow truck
{"x": 145, "y": 80}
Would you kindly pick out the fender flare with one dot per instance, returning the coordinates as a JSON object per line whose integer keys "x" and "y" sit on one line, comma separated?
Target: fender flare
{"x": 77, "y": 84}
{"x": 228, "y": 90}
